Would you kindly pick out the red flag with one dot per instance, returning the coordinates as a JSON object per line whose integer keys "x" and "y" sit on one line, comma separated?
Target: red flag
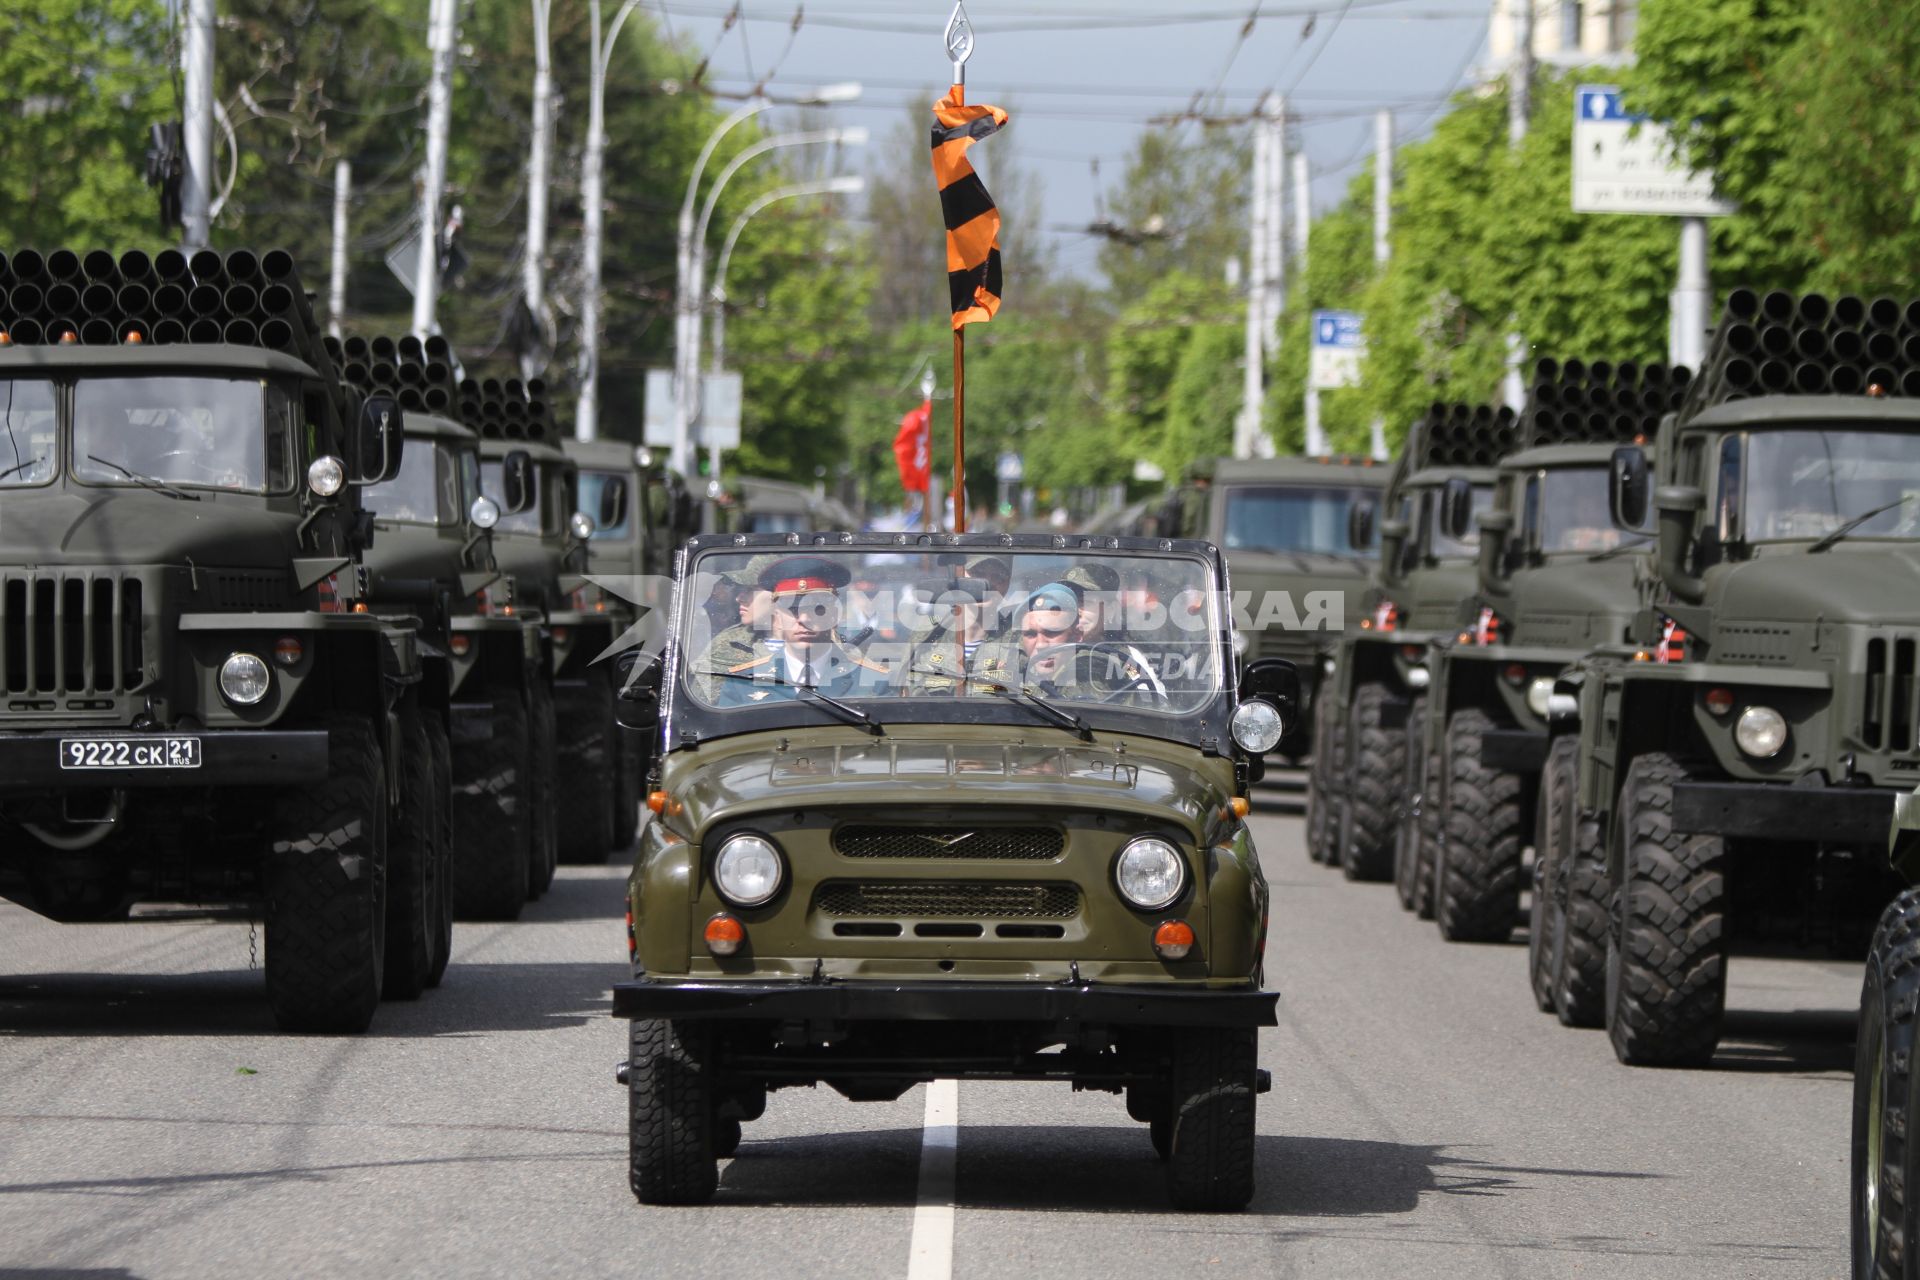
{"x": 910, "y": 447}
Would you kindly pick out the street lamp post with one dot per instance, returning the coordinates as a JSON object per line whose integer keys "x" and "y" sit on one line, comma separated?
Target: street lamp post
{"x": 717, "y": 297}
{"x": 592, "y": 197}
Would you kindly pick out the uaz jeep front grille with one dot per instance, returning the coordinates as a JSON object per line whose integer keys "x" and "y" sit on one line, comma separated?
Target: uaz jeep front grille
{"x": 963, "y": 900}
{"x": 70, "y": 633}
{"x": 1033, "y": 844}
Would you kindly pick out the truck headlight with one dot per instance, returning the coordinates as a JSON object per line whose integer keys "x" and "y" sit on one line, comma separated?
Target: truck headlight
{"x": 1540, "y": 696}
{"x": 1760, "y": 732}
{"x": 325, "y": 476}
{"x": 1240, "y": 643}
{"x": 748, "y": 871}
{"x": 1257, "y": 727}
{"x": 1150, "y": 873}
{"x": 243, "y": 679}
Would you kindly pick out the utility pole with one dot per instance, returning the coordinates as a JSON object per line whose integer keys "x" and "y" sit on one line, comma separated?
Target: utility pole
{"x": 1692, "y": 297}
{"x": 337, "y": 285}
{"x": 534, "y": 272}
{"x": 1382, "y": 245}
{"x": 1316, "y": 439}
{"x": 1519, "y": 111}
{"x": 196, "y": 184}
{"x": 1253, "y": 386}
{"x": 426, "y": 286}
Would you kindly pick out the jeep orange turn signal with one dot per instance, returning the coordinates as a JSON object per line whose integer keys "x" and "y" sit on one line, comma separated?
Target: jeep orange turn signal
{"x": 1172, "y": 939}
{"x": 1241, "y": 806}
{"x": 657, "y": 801}
{"x": 725, "y": 934}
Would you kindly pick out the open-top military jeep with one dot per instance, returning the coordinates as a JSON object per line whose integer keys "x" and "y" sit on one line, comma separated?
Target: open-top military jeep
{"x": 952, "y": 806}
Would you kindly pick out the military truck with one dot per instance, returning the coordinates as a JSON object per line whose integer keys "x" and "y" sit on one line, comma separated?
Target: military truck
{"x": 1556, "y": 578}
{"x": 1365, "y": 798}
{"x": 1742, "y": 756}
{"x": 1297, "y": 577}
{"x": 1018, "y": 855}
{"x": 198, "y": 707}
{"x": 781, "y": 506}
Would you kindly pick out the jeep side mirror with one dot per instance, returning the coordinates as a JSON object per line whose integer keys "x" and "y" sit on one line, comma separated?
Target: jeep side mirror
{"x": 613, "y": 502}
{"x": 517, "y": 482}
{"x": 637, "y": 676}
{"x": 374, "y": 447}
{"x": 1629, "y": 487}
{"x": 1360, "y": 524}
{"x": 1456, "y": 508}
{"x": 1495, "y": 525}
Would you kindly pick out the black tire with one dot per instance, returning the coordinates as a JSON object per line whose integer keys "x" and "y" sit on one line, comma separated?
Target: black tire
{"x": 1210, "y": 1158}
{"x": 634, "y": 758}
{"x": 1374, "y": 780}
{"x": 325, "y": 878}
{"x": 1160, "y": 1134}
{"x": 1666, "y": 966}
{"x": 584, "y": 780}
{"x": 413, "y": 909}
{"x": 670, "y": 1113}
{"x": 544, "y": 855}
{"x": 1477, "y": 870}
{"x": 726, "y": 1137}
{"x": 1406, "y": 817}
{"x": 1320, "y": 823}
{"x": 1885, "y": 1217}
{"x": 1433, "y": 836}
{"x": 443, "y": 786}
{"x": 1578, "y": 936}
{"x": 492, "y": 816}
{"x": 1324, "y": 845}
{"x": 1555, "y": 816}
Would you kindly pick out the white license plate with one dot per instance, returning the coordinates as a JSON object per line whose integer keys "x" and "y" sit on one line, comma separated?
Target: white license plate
{"x": 130, "y": 753}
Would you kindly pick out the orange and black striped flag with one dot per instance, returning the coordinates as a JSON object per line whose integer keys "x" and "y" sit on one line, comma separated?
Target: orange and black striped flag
{"x": 973, "y": 224}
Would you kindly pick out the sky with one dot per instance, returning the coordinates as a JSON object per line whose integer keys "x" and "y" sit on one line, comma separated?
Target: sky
{"x": 1083, "y": 78}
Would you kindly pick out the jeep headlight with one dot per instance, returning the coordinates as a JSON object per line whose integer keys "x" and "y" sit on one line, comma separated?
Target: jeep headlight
{"x": 1540, "y": 696}
{"x": 243, "y": 679}
{"x": 748, "y": 871}
{"x": 1150, "y": 873}
{"x": 1257, "y": 727}
{"x": 1760, "y": 732}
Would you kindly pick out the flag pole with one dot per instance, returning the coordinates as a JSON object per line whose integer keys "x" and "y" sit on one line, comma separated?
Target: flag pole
{"x": 959, "y": 38}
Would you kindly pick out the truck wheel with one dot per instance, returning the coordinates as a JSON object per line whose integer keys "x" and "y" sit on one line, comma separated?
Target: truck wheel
{"x": 443, "y": 900}
{"x": 1577, "y": 926}
{"x": 326, "y": 889}
{"x": 492, "y": 823}
{"x": 1554, "y": 818}
{"x": 630, "y": 770}
{"x": 670, "y": 1138}
{"x": 545, "y": 853}
{"x": 584, "y": 782}
{"x": 1433, "y": 836}
{"x": 413, "y": 853}
{"x": 1210, "y": 1157}
{"x": 726, "y": 1137}
{"x": 1476, "y": 888}
{"x": 1666, "y": 968}
{"x": 1329, "y": 751}
{"x": 1886, "y": 1217}
{"x": 1317, "y": 798}
{"x": 1379, "y": 769}
{"x": 1406, "y": 818}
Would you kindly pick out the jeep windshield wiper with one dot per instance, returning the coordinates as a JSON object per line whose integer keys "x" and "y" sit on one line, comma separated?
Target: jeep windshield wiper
{"x": 1638, "y": 541}
{"x": 851, "y": 714}
{"x": 1028, "y": 697}
{"x": 1847, "y": 528}
{"x": 147, "y": 482}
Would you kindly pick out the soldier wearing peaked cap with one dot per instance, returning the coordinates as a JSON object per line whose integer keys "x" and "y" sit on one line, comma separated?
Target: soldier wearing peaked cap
{"x": 803, "y": 648}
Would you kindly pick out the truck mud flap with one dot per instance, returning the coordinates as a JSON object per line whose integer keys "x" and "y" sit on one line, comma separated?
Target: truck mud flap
{"x": 1761, "y": 811}
{"x": 1514, "y": 750}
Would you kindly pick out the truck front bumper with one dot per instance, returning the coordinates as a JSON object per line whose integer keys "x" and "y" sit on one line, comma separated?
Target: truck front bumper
{"x": 1067, "y": 1005}
{"x": 1758, "y": 810}
{"x": 228, "y": 758}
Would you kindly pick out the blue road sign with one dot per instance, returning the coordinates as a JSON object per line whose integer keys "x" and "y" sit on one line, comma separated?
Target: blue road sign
{"x": 1337, "y": 329}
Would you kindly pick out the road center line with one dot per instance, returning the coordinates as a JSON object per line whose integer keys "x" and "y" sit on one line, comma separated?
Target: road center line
{"x": 932, "y": 1250}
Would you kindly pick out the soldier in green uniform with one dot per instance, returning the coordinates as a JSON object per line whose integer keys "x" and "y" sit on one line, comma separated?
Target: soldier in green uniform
{"x": 803, "y": 648}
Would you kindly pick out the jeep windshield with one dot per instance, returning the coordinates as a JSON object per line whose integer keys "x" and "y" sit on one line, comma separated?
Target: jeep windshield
{"x": 1309, "y": 519}
{"x": 1805, "y": 483}
{"x": 182, "y": 431}
{"x": 1073, "y": 639}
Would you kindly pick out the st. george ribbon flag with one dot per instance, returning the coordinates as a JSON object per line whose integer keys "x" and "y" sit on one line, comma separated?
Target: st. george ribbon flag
{"x": 973, "y": 223}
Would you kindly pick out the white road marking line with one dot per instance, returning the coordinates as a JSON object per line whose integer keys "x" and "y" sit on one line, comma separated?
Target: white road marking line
{"x": 932, "y": 1250}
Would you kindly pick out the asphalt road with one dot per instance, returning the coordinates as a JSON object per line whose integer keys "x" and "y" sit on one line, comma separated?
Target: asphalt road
{"x": 1424, "y": 1121}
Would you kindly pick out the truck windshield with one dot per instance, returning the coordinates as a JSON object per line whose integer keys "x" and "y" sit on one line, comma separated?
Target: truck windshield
{"x": 1568, "y": 505}
{"x": 592, "y": 485}
{"x": 32, "y": 433}
{"x": 493, "y": 484}
{"x": 1443, "y": 547}
{"x": 1309, "y": 518}
{"x": 1805, "y": 483}
{"x": 1093, "y": 633}
{"x": 196, "y": 432}
{"x": 427, "y": 490}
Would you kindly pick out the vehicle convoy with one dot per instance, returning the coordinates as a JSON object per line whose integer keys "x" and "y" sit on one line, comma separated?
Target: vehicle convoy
{"x": 1556, "y": 578}
{"x": 1010, "y": 845}
{"x": 1297, "y": 577}
{"x": 433, "y": 557}
{"x": 629, "y": 560}
{"x": 197, "y": 709}
{"x": 1366, "y": 809}
{"x": 1742, "y": 756}
{"x": 541, "y": 551}
{"x": 781, "y": 506}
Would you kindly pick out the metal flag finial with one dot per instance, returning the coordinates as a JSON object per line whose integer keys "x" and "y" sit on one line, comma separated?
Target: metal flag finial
{"x": 959, "y": 41}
